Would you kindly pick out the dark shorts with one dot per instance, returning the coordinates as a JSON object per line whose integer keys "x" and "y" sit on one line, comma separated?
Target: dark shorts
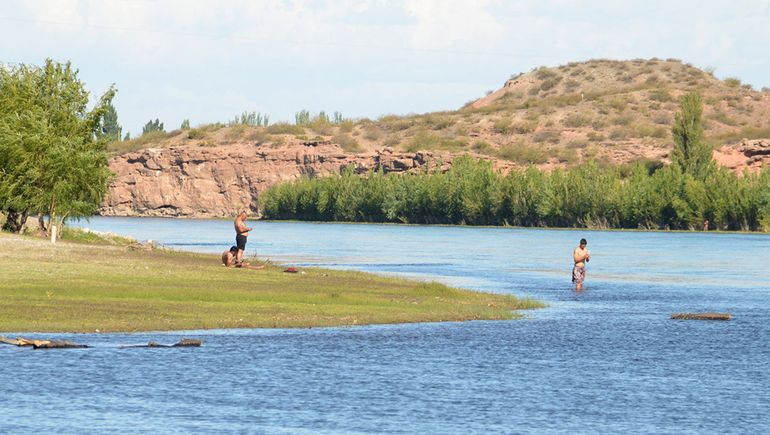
{"x": 240, "y": 242}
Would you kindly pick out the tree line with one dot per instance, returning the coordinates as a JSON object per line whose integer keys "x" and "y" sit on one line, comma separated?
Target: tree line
{"x": 682, "y": 195}
{"x": 53, "y": 159}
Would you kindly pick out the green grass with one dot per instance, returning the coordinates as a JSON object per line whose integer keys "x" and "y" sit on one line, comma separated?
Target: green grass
{"x": 83, "y": 287}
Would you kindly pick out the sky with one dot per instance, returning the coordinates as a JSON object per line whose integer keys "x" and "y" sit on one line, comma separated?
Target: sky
{"x": 208, "y": 61}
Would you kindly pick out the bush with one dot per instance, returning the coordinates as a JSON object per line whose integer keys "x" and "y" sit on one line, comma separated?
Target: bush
{"x": 552, "y": 136}
{"x": 571, "y": 85}
{"x": 347, "y": 143}
{"x": 619, "y": 104}
{"x": 661, "y": 95}
{"x": 619, "y": 133}
{"x": 372, "y": 133}
{"x": 438, "y": 122}
{"x": 284, "y": 128}
{"x": 549, "y": 83}
{"x": 502, "y": 126}
{"x": 423, "y": 140}
{"x": 524, "y": 127}
{"x": 544, "y": 73}
{"x": 482, "y": 147}
{"x": 576, "y": 120}
{"x": 523, "y": 153}
{"x": 732, "y": 82}
{"x": 622, "y": 120}
{"x": 196, "y": 133}
{"x": 595, "y": 137}
{"x": 235, "y": 132}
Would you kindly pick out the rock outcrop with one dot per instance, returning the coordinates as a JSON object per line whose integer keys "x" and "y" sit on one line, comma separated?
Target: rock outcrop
{"x": 218, "y": 181}
{"x": 200, "y": 181}
{"x": 749, "y": 154}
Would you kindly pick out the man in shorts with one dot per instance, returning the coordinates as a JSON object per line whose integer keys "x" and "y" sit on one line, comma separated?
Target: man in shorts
{"x": 581, "y": 256}
{"x": 241, "y": 233}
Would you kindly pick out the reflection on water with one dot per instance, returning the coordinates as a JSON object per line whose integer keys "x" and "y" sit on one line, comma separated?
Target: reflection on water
{"x": 605, "y": 360}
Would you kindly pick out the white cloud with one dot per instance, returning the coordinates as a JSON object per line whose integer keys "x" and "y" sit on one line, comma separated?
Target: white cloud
{"x": 458, "y": 24}
{"x": 218, "y": 58}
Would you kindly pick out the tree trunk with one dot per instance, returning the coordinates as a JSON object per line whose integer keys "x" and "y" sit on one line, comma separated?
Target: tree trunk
{"x": 41, "y": 223}
{"x": 15, "y": 221}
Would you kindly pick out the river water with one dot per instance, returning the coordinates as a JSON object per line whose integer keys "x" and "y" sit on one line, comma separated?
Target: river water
{"x": 607, "y": 360}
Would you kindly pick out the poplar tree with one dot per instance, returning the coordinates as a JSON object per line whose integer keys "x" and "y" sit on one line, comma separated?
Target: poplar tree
{"x": 110, "y": 127}
{"x": 692, "y": 155}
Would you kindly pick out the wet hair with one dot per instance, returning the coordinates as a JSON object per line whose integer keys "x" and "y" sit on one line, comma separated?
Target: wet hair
{"x": 233, "y": 248}
{"x": 583, "y": 242}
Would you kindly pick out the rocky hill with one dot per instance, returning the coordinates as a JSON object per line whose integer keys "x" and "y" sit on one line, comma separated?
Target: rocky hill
{"x": 610, "y": 111}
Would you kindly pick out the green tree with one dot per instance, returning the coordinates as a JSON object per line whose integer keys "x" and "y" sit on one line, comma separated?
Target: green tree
{"x": 185, "y": 124}
{"x": 53, "y": 158}
{"x": 691, "y": 152}
{"x": 152, "y": 126}
{"x": 110, "y": 127}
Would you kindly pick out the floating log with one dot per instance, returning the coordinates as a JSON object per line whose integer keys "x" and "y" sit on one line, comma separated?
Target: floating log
{"x": 41, "y": 344}
{"x": 56, "y": 344}
{"x": 185, "y": 342}
{"x": 14, "y": 341}
{"x": 66, "y": 344}
{"x": 701, "y": 316}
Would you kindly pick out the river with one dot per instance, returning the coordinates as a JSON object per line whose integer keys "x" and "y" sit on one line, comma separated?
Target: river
{"x": 605, "y": 360}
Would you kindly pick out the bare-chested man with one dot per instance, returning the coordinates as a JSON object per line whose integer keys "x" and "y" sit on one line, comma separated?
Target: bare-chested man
{"x": 581, "y": 257}
{"x": 241, "y": 233}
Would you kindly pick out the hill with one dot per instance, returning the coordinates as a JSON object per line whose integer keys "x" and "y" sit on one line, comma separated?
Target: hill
{"x": 611, "y": 112}
{"x": 604, "y": 110}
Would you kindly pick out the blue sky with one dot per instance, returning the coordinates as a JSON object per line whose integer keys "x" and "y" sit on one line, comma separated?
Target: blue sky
{"x": 210, "y": 60}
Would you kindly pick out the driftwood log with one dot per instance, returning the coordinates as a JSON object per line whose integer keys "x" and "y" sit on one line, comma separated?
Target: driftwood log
{"x": 42, "y": 344}
{"x": 701, "y": 316}
{"x": 185, "y": 342}
{"x": 65, "y": 344}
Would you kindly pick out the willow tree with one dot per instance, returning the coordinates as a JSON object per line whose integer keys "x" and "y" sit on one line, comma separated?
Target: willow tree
{"x": 53, "y": 159}
{"x": 692, "y": 155}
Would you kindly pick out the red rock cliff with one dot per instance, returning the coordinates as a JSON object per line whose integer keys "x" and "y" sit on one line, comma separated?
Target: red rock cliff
{"x": 216, "y": 182}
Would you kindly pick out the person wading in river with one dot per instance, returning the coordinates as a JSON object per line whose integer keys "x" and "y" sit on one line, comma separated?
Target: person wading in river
{"x": 581, "y": 257}
{"x": 241, "y": 233}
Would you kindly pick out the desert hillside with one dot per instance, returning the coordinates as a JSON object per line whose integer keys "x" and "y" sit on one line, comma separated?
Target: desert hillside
{"x": 614, "y": 112}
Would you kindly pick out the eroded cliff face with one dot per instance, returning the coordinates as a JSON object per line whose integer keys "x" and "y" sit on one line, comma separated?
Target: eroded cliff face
{"x": 198, "y": 181}
{"x": 217, "y": 182}
{"x": 747, "y": 155}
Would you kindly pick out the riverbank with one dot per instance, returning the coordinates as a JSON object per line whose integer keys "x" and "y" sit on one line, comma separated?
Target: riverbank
{"x": 87, "y": 287}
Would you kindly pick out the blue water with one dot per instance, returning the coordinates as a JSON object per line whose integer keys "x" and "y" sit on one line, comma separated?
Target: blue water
{"x": 607, "y": 360}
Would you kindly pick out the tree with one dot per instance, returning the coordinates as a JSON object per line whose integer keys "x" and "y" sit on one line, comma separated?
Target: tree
{"x": 691, "y": 152}
{"x": 127, "y": 136}
{"x": 152, "y": 126}
{"x": 185, "y": 124}
{"x": 53, "y": 159}
{"x": 110, "y": 127}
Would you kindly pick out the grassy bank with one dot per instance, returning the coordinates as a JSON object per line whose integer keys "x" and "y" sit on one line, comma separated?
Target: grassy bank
{"x": 84, "y": 287}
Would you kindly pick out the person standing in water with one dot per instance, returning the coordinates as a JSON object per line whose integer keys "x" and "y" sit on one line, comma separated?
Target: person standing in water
{"x": 241, "y": 233}
{"x": 581, "y": 257}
